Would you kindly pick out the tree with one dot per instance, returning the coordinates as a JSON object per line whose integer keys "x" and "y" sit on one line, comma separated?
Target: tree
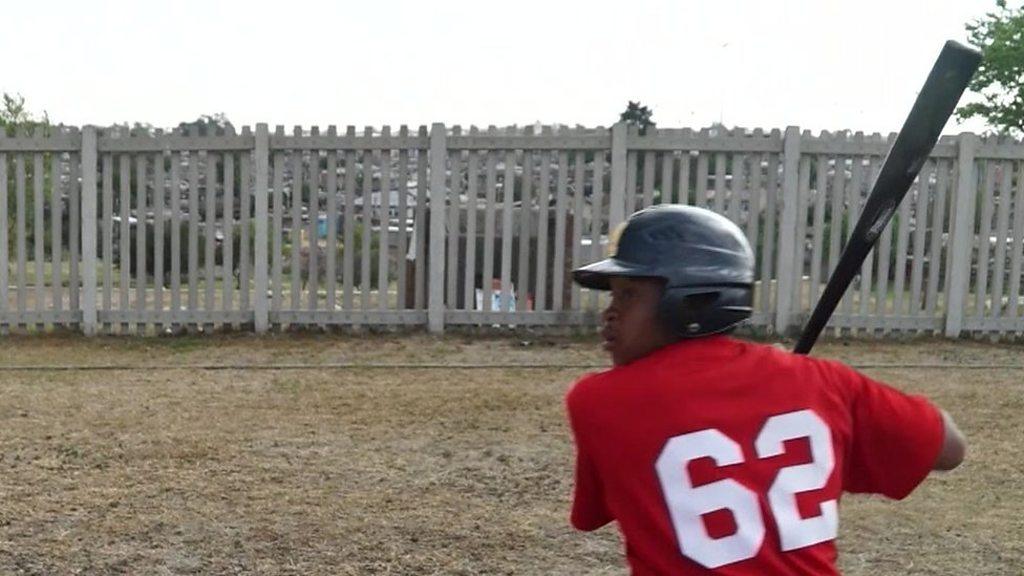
{"x": 14, "y": 115}
{"x": 1000, "y": 78}
{"x": 638, "y": 115}
{"x": 207, "y": 124}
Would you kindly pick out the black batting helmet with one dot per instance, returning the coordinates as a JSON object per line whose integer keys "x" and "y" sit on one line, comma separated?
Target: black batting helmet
{"x": 704, "y": 258}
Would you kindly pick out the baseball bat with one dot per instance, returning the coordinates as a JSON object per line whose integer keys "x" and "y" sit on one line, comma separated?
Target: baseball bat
{"x": 946, "y": 82}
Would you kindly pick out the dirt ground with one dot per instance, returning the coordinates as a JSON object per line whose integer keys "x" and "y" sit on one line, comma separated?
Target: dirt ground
{"x": 408, "y": 471}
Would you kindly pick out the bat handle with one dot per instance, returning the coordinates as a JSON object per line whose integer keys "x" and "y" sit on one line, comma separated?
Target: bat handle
{"x": 826, "y": 306}
{"x": 805, "y": 343}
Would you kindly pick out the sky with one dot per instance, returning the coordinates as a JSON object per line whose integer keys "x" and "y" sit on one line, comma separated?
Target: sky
{"x": 816, "y": 64}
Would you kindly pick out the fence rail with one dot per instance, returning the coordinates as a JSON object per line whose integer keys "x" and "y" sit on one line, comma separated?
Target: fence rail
{"x": 107, "y": 230}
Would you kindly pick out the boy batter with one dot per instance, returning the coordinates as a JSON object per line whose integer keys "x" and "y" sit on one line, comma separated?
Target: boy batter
{"x": 721, "y": 456}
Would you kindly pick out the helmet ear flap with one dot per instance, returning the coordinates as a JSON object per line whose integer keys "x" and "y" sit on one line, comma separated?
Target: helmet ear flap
{"x": 685, "y": 309}
{"x": 699, "y": 311}
{"x": 699, "y": 301}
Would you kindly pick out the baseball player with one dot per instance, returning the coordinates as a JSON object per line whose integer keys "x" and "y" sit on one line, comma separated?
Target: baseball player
{"x": 718, "y": 456}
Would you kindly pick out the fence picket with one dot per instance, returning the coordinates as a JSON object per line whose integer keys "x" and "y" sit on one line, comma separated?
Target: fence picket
{"x": 365, "y": 228}
{"x": 667, "y": 169}
{"x": 245, "y": 200}
{"x": 853, "y": 193}
{"x": 277, "y": 232}
{"x": 38, "y": 235}
{"x": 649, "y": 161}
{"x": 140, "y": 240}
{"x": 228, "y": 245}
{"x": 632, "y": 167}
{"x": 193, "y": 233}
{"x": 507, "y": 193}
{"x": 453, "y": 235}
{"x": 884, "y": 258}
{"x": 1018, "y": 238}
{"x": 902, "y": 240}
{"x": 312, "y": 221}
{"x": 684, "y": 177}
{"x": 472, "y": 184}
{"x": 836, "y": 215}
{"x": 820, "y": 200}
{"x": 19, "y": 175}
{"x": 771, "y": 191}
{"x": 175, "y": 203}
{"x": 804, "y": 192}
{"x": 331, "y": 266}
{"x": 737, "y": 185}
{"x": 159, "y": 191}
{"x": 579, "y": 165}
{"x": 422, "y": 198}
{"x": 4, "y": 250}
{"x": 348, "y": 226}
{"x": 867, "y": 269}
{"x": 525, "y": 212}
{"x": 701, "y": 199}
{"x": 720, "y": 170}
{"x": 936, "y": 248}
{"x": 561, "y": 204}
{"x": 596, "y": 218}
{"x": 543, "y": 198}
{"x": 1002, "y": 222}
{"x": 403, "y": 217}
{"x": 383, "y": 262}
{"x": 981, "y": 283}
{"x": 490, "y": 191}
{"x": 757, "y": 206}
{"x": 124, "y": 239}
{"x": 920, "y": 227}
{"x": 210, "y": 212}
{"x": 75, "y": 217}
{"x": 56, "y": 234}
{"x": 295, "y": 232}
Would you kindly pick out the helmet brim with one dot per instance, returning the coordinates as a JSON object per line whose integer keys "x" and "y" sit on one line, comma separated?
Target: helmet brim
{"x": 597, "y": 276}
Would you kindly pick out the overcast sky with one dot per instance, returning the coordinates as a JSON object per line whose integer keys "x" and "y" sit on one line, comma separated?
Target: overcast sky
{"x": 817, "y": 64}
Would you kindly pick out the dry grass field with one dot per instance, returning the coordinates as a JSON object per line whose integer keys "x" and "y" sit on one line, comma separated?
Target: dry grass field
{"x": 158, "y": 469}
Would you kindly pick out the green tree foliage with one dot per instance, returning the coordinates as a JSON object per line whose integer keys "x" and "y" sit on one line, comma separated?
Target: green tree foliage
{"x": 207, "y": 124}
{"x": 15, "y": 116}
{"x": 638, "y": 115}
{"x": 1000, "y": 78}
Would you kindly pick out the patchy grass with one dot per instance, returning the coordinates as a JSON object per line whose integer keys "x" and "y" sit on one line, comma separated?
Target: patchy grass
{"x": 411, "y": 471}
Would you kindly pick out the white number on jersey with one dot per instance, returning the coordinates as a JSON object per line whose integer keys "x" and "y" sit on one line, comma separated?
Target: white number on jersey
{"x": 686, "y": 503}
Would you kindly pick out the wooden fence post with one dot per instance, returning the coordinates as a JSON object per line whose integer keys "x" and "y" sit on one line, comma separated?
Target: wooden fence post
{"x": 962, "y": 234}
{"x": 617, "y": 195}
{"x": 261, "y": 261}
{"x": 789, "y": 270}
{"x": 4, "y": 252}
{"x": 438, "y": 196}
{"x": 89, "y": 230}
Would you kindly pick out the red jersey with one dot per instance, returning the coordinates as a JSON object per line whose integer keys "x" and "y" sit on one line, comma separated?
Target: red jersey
{"x": 727, "y": 457}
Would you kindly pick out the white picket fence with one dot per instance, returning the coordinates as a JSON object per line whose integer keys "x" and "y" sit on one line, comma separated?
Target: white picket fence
{"x": 107, "y": 230}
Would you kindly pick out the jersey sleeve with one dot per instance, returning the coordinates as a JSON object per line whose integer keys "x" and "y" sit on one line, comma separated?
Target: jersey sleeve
{"x": 895, "y": 438}
{"x": 589, "y": 511}
{"x": 588, "y": 507}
